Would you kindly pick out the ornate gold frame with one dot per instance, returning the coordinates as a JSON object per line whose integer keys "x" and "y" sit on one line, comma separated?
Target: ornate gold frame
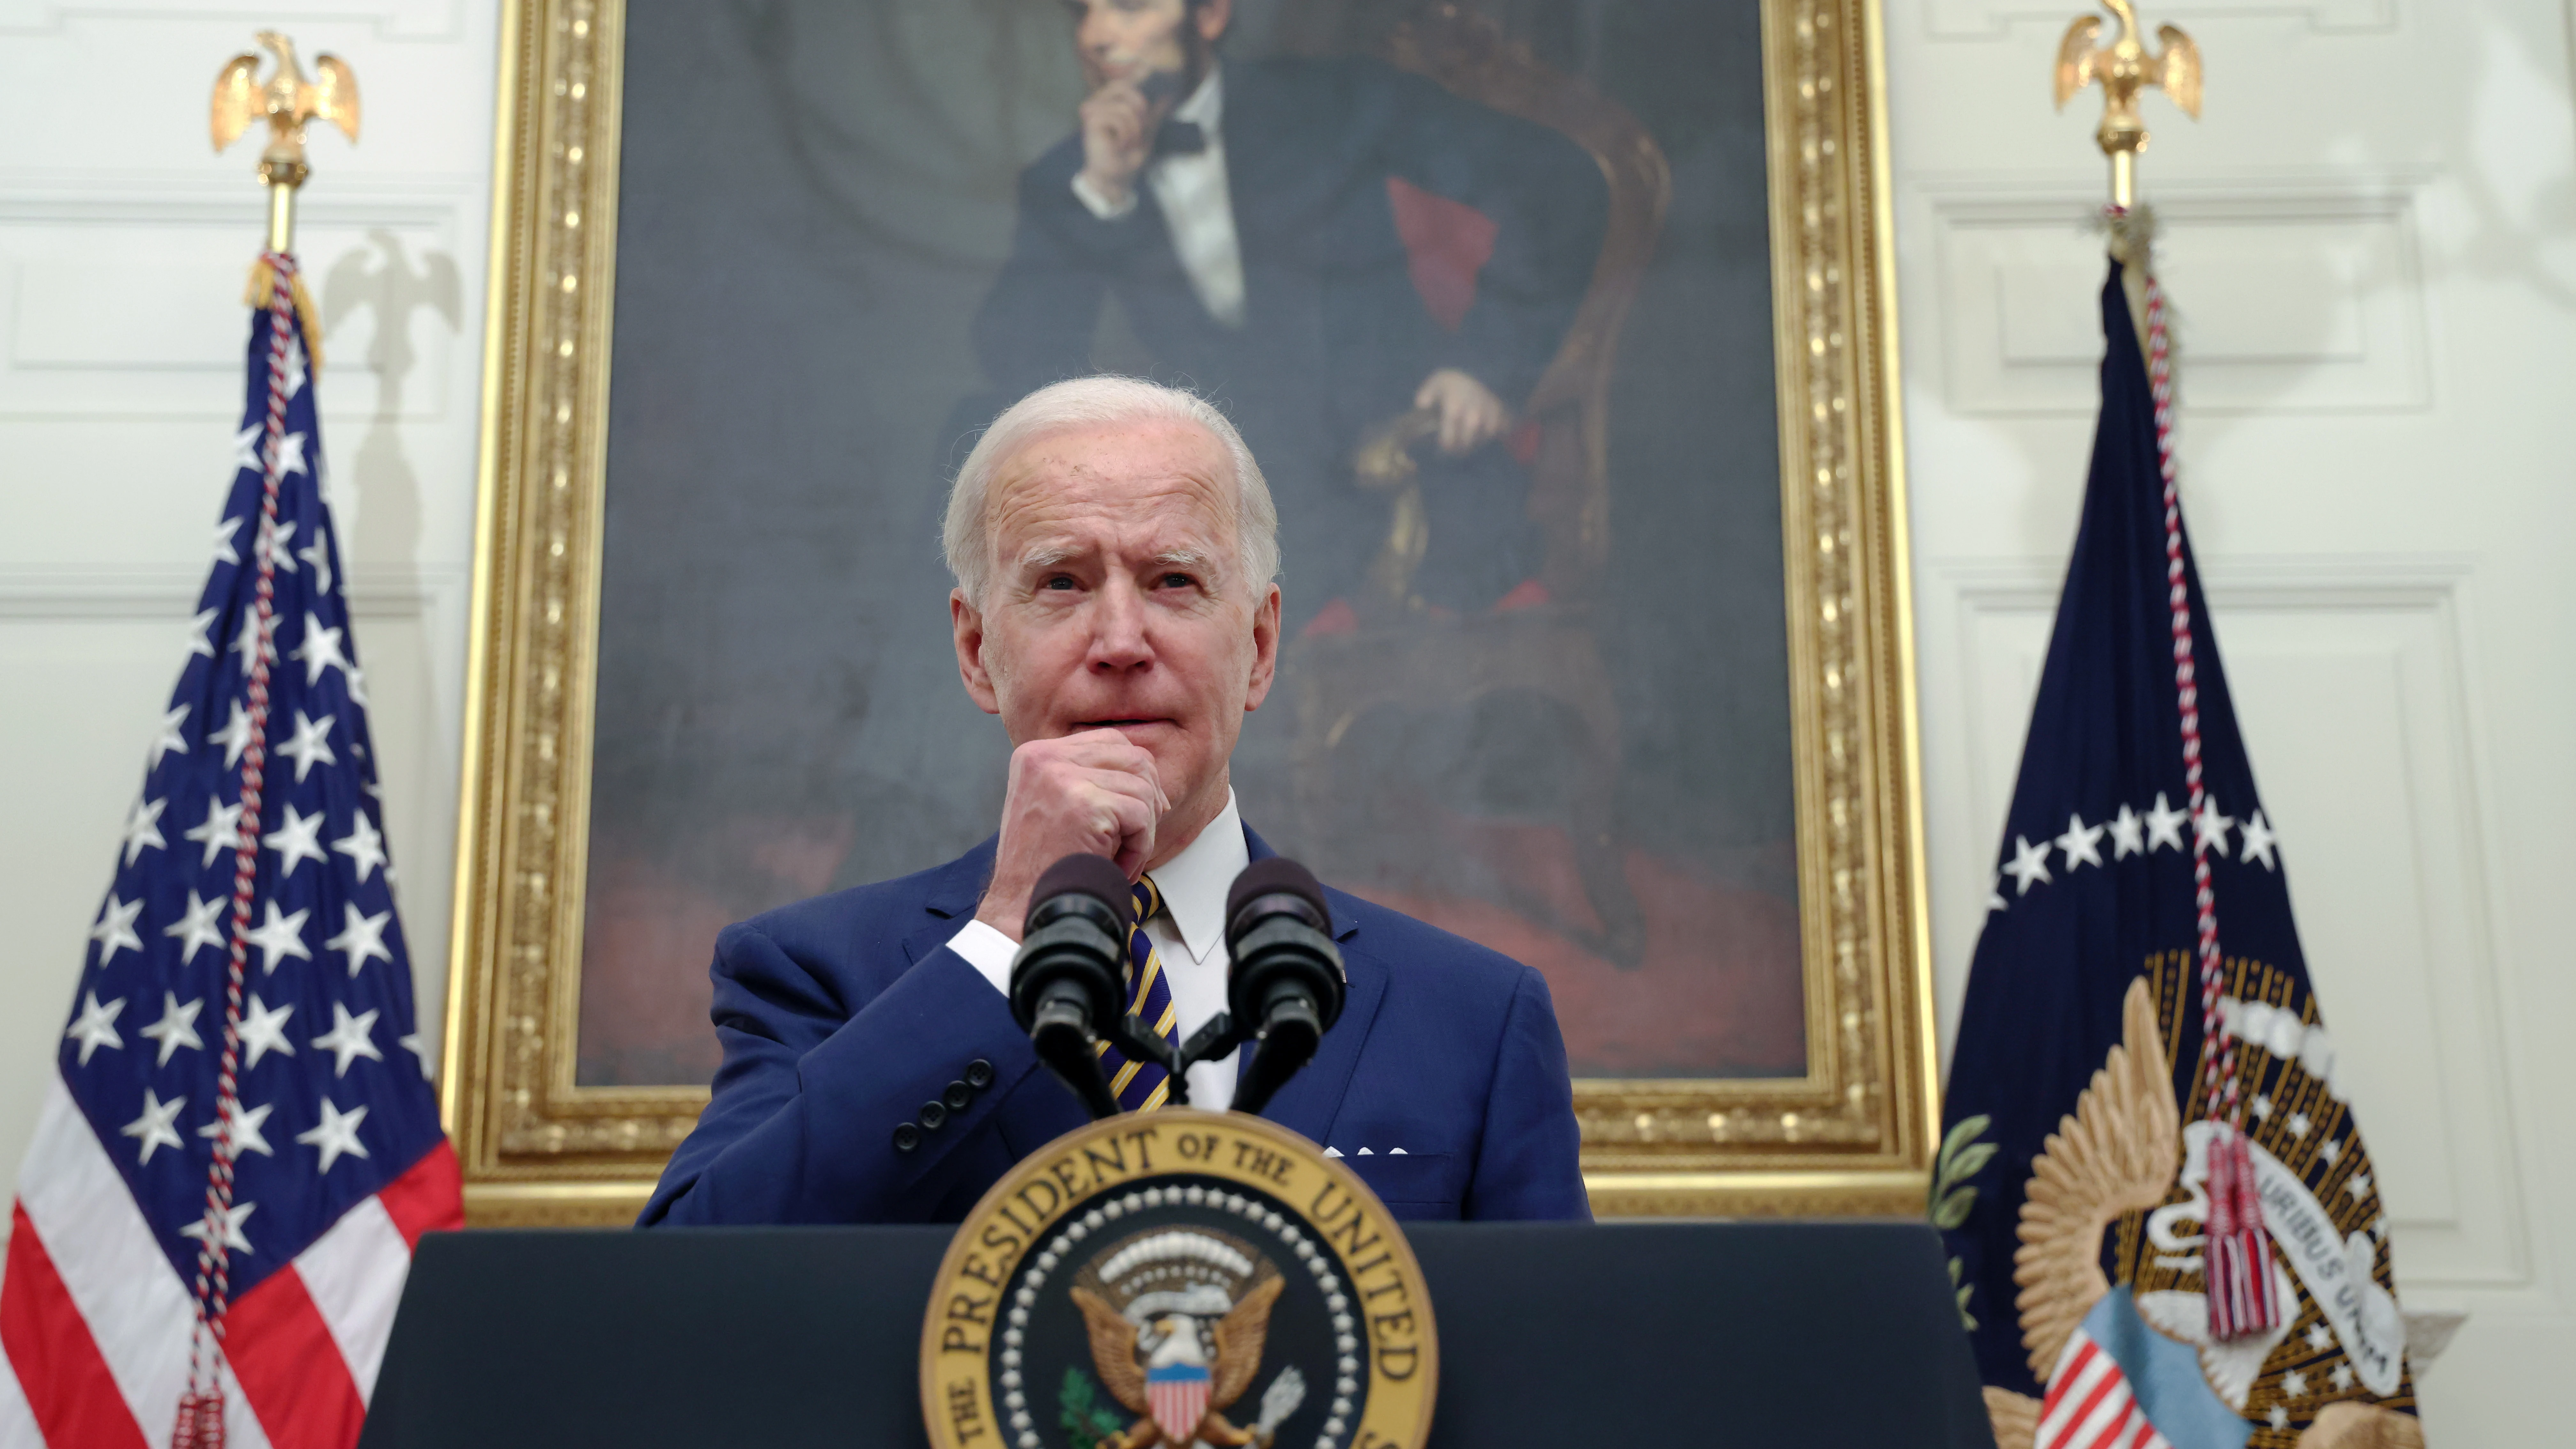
{"x": 1852, "y": 1136}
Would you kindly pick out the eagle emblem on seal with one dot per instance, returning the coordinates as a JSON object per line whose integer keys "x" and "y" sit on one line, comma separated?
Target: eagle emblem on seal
{"x": 1177, "y": 1321}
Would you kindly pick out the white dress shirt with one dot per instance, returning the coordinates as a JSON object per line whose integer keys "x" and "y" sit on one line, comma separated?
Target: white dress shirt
{"x": 1189, "y": 935}
{"x": 1198, "y": 210}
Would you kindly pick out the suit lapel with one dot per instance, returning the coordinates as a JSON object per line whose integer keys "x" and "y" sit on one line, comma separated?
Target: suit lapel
{"x": 953, "y": 889}
{"x": 1311, "y": 1100}
{"x": 1251, "y": 152}
{"x": 1278, "y": 170}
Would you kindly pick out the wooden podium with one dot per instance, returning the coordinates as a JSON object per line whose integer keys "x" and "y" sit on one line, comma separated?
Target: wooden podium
{"x": 1822, "y": 1335}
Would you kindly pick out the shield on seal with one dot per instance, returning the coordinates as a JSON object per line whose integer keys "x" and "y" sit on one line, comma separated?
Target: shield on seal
{"x": 1177, "y": 1394}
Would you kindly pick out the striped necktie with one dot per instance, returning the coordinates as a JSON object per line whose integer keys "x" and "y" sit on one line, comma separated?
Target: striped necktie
{"x": 1143, "y": 1086}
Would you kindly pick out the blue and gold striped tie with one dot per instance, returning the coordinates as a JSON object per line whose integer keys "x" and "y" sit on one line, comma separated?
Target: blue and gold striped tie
{"x": 1143, "y": 1086}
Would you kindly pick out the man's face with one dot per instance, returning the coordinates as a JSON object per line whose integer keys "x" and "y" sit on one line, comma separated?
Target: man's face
{"x": 1132, "y": 39}
{"x": 1116, "y": 600}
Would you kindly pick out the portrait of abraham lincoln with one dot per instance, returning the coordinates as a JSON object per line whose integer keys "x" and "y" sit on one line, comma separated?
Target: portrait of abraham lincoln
{"x": 1484, "y": 284}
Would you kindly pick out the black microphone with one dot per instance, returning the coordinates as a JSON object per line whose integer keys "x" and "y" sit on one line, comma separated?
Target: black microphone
{"x": 1285, "y": 986}
{"x": 1066, "y": 981}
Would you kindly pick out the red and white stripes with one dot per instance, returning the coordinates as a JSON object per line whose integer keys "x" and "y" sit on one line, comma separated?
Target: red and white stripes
{"x": 98, "y": 1328}
{"x": 2091, "y": 1406}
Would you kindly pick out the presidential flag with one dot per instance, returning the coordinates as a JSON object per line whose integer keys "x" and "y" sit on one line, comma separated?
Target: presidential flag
{"x": 239, "y": 1146}
{"x": 2165, "y": 1226}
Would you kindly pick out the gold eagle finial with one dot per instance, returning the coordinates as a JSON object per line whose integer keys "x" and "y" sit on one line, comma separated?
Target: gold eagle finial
{"x": 287, "y": 100}
{"x": 2124, "y": 69}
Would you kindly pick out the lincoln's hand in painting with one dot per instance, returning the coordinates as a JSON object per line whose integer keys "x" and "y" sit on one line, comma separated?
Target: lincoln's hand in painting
{"x": 1118, "y": 124}
{"x": 1140, "y": 57}
{"x": 1470, "y": 415}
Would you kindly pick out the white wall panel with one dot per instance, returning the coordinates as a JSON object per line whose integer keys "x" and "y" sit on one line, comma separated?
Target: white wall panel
{"x": 2353, "y": 694}
{"x": 121, "y": 304}
{"x": 2295, "y": 302}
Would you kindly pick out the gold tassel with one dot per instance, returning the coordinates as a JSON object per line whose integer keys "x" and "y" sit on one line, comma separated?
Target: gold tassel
{"x": 263, "y": 290}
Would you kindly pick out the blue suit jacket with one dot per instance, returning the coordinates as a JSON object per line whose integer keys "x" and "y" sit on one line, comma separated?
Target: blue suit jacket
{"x": 843, "y": 1015}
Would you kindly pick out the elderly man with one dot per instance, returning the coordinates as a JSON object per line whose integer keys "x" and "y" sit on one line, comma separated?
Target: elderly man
{"x": 1114, "y": 547}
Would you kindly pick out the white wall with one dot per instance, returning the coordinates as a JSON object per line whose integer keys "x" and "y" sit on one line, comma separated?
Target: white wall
{"x": 124, "y": 242}
{"x": 2370, "y": 241}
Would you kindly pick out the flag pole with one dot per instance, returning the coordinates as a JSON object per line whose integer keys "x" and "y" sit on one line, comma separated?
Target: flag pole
{"x": 2238, "y": 1275}
{"x": 2124, "y": 68}
{"x": 282, "y": 185}
{"x": 286, "y": 100}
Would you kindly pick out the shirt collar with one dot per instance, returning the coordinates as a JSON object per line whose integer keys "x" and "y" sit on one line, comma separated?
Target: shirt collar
{"x": 1205, "y": 107}
{"x": 1194, "y": 883}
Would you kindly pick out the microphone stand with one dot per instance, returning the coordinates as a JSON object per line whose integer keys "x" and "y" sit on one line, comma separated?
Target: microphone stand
{"x": 1131, "y": 1037}
{"x": 1253, "y": 1090}
{"x": 1080, "y": 1065}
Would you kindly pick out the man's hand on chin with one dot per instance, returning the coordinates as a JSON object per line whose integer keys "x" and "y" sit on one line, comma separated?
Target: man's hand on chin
{"x": 1092, "y": 793}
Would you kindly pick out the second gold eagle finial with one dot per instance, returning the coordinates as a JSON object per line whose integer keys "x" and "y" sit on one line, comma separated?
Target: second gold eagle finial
{"x": 2125, "y": 68}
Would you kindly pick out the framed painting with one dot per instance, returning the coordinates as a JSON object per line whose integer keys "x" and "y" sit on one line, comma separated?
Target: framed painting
{"x": 1562, "y": 329}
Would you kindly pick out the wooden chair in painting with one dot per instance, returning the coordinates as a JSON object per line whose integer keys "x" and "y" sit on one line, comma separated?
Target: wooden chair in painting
{"x": 1543, "y": 641}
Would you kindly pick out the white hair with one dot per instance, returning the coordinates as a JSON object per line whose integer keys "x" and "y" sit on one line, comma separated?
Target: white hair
{"x": 1091, "y": 402}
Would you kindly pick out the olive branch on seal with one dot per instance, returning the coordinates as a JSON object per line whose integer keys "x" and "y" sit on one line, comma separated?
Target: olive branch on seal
{"x": 1952, "y": 1197}
{"x": 1086, "y": 1418}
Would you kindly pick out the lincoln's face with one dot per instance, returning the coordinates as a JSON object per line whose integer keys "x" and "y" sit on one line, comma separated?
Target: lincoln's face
{"x": 1116, "y": 600}
{"x": 1132, "y": 39}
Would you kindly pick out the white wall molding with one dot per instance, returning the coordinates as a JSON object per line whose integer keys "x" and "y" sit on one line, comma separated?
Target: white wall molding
{"x": 1997, "y": 19}
{"x": 110, "y": 592}
{"x": 2234, "y": 581}
{"x": 125, "y": 301}
{"x": 2301, "y": 294}
{"x": 417, "y": 20}
{"x": 227, "y": 194}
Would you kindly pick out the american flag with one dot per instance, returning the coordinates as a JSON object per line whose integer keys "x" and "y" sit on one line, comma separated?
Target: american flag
{"x": 240, "y": 1145}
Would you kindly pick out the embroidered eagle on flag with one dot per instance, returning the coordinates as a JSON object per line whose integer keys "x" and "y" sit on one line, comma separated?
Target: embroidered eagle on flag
{"x": 2119, "y": 1362}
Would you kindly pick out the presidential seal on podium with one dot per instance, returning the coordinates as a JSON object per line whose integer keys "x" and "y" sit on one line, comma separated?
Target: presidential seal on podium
{"x": 1160, "y": 1280}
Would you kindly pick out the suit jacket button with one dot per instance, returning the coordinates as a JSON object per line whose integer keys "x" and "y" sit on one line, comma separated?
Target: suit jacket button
{"x": 934, "y": 1115}
{"x": 958, "y": 1096}
{"x": 979, "y": 1074}
{"x": 906, "y": 1137}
